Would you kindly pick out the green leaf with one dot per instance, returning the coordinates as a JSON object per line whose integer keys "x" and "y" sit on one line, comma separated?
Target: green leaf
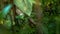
{"x": 5, "y": 11}
{"x": 7, "y": 24}
{"x": 45, "y": 29}
{"x": 21, "y": 16}
{"x": 24, "y": 5}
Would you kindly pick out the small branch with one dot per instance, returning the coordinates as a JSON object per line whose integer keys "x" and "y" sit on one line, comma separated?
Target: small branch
{"x": 32, "y": 21}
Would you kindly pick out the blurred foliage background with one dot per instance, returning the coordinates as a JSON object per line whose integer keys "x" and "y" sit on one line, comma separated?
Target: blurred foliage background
{"x": 29, "y": 16}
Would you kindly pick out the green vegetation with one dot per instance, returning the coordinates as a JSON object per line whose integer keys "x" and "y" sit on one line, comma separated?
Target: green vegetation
{"x": 29, "y": 16}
